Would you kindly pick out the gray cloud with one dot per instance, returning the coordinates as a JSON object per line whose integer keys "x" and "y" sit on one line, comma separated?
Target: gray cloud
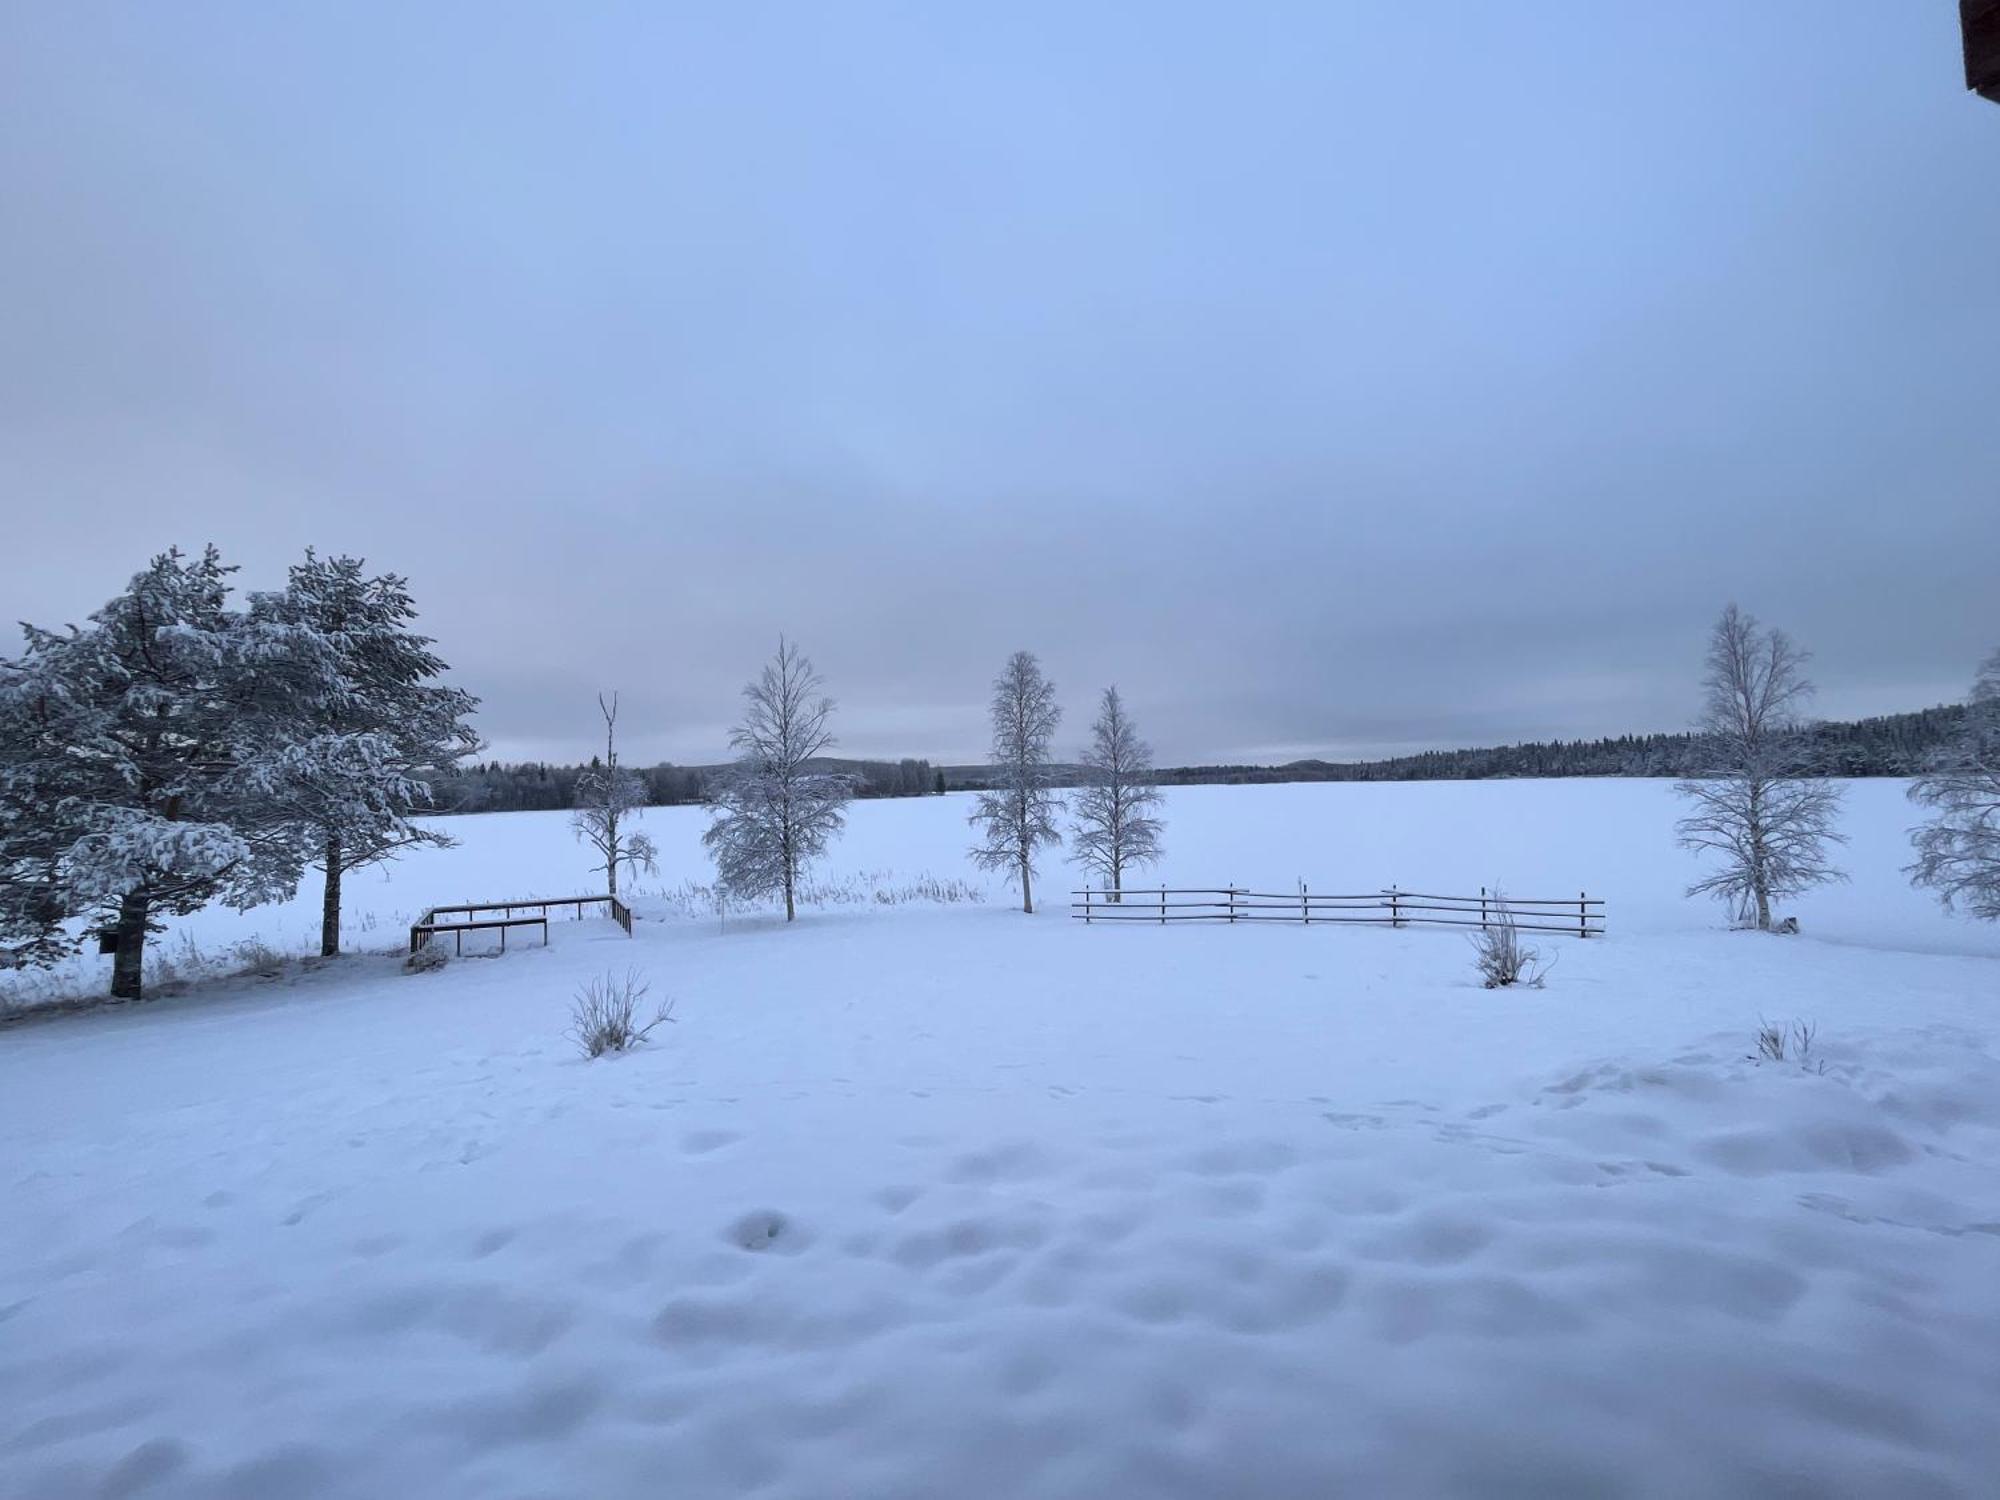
{"x": 1337, "y": 380}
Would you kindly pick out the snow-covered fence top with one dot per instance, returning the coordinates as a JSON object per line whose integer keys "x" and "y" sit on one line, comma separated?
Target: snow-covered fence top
{"x": 1581, "y": 915}
{"x": 478, "y": 917}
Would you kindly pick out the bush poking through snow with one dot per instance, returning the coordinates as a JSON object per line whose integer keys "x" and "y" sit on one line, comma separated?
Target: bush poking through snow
{"x": 1789, "y": 1043}
{"x": 1502, "y": 959}
{"x": 605, "y": 1015}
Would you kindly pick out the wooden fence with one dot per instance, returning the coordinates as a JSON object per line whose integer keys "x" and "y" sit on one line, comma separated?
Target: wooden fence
{"x": 428, "y": 926}
{"x": 1580, "y": 915}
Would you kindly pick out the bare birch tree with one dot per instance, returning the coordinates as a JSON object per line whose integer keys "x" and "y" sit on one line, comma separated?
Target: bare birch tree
{"x": 609, "y": 800}
{"x": 775, "y": 810}
{"x": 1018, "y": 815}
{"x": 1116, "y": 823}
{"x": 1958, "y": 851}
{"x": 1757, "y": 806}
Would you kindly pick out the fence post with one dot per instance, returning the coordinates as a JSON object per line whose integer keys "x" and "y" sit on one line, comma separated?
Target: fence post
{"x": 1305, "y": 905}
{"x": 1482, "y": 908}
{"x": 1231, "y": 893}
{"x": 1582, "y": 914}
{"x": 1163, "y": 906}
{"x": 1395, "y": 910}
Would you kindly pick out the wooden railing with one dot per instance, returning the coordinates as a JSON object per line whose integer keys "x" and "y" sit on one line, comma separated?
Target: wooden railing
{"x": 1581, "y": 915}
{"x": 428, "y": 926}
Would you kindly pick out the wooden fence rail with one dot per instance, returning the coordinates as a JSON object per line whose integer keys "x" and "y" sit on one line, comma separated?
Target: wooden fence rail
{"x": 1581, "y": 915}
{"x": 428, "y": 926}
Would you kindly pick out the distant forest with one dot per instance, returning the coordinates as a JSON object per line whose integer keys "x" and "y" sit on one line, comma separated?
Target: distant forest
{"x": 535, "y": 786}
{"x": 1892, "y": 745}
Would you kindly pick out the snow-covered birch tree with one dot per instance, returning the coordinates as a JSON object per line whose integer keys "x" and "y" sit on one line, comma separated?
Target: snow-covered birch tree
{"x": 609, "y": 799}
{"x": 776, "y": 809}
{"x": 1018, "y": 815}
{"x": 1958, "y": 851}
{"x": 1116, "y": 822}
{"x": 136, "y": 749}
{"x": 360, "y": 721}
{"x": 1756, "y": 805}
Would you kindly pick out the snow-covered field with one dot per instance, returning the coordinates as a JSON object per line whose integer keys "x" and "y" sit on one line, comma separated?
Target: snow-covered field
{"x": 919, "y": 1200}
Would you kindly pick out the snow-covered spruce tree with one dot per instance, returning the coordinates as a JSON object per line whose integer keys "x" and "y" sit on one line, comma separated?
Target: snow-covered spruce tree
{"x": 1958, "y": 851}
{"x": 1018, "y": 815}
{"x": 141, "y": 760}
{"x": 362, "y": 723}
{"x": 33, "y": 789}
{"x": 1116, "y": 826}
{"x": 775, "y": 810}
{"x": 1756, "y": 805}
{"x": 608, "y": 801}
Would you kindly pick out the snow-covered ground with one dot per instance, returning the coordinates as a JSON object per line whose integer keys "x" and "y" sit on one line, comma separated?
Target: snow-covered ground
{"x": 920, "y": 1200}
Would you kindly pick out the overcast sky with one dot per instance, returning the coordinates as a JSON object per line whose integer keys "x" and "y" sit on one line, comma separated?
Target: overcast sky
{"x": 1338, "y": 379}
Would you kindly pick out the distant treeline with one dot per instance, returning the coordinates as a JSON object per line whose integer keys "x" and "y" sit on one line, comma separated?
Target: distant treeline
{"x": 1892, "y": 745}
{"x": 535, "y": 786}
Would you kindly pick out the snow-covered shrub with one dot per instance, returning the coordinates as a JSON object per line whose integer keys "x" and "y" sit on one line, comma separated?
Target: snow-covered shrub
{"x": 426, "y": 960}
{"x": 255, "y": 956}
{"x": 605, "y": 1015}
{"x": 1500, "y": 956}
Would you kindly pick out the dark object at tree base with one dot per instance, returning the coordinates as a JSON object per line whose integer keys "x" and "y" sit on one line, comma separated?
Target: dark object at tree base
{"x": 1980, "y": 21}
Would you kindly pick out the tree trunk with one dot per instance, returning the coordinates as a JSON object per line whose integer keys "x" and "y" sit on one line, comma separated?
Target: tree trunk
{"x": 1027, "y": 894}
{"x": 1760, "y": 879}
{"x": 789, "y": 910}
{"x": 127, "y": 968}
{"x": 329, "y": 902}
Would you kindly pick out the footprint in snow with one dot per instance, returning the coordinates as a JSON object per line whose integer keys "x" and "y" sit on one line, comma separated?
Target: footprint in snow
{"x": 767, "y": 1230}
{"x": 702, "y": 1142}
